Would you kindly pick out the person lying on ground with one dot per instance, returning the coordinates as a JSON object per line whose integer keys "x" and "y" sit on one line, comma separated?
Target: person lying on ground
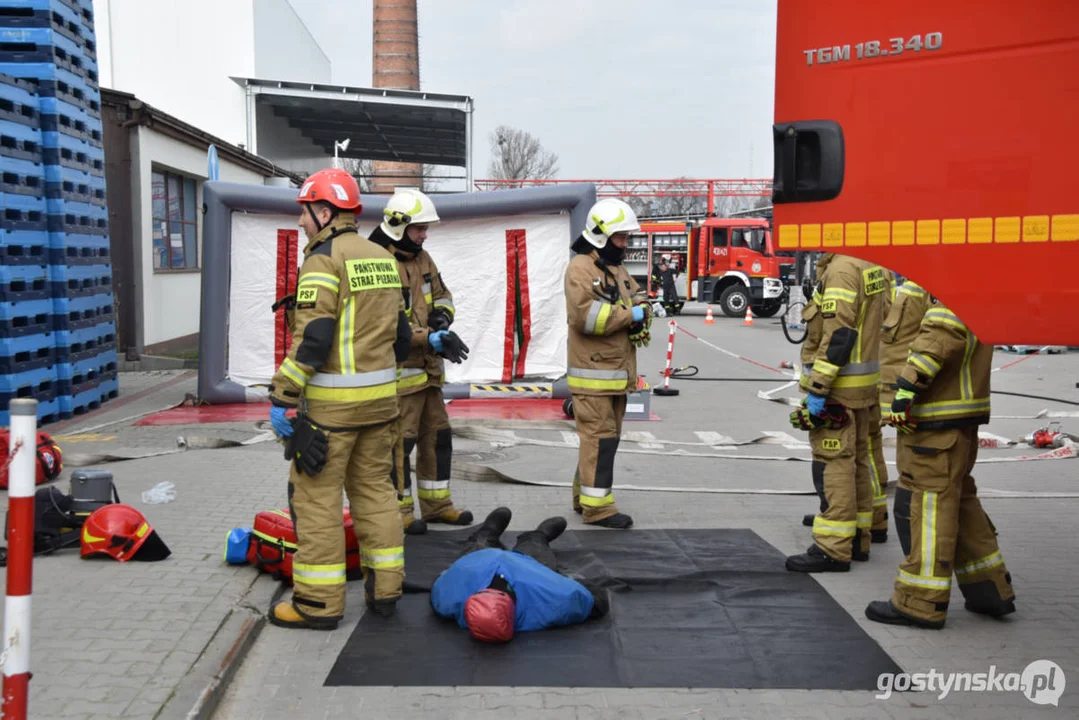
{"x": 494, "y": 592}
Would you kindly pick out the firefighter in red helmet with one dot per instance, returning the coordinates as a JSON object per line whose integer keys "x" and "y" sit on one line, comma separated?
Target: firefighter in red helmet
{"x": 349, "y": 332}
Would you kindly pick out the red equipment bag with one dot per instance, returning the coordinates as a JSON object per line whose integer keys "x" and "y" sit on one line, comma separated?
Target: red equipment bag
{"x": 273, "y": 542}
{"x": 49, "y": 458}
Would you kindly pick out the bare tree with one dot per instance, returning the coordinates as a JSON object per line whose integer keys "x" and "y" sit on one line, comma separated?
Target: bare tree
{"x": 518, "y": 155}
{"x": 364, "y": 172}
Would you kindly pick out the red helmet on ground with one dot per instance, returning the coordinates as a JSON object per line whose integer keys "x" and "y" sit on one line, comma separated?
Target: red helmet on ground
{"x": 121, "y": 532}
{"x": 489, "y": 615}
{"x": 332, "y": 186}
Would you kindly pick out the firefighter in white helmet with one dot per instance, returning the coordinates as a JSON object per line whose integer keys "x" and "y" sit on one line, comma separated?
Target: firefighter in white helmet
{"x": 609, "y": 318}
{"x": 425, "y": 425}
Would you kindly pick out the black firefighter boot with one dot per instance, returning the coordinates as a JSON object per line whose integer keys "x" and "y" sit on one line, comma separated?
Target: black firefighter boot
{"x": 807, "y": 520}
{"x": 883, "y": 611}
{"x": 488, "y": 534}
{"x": 815, "y": 560}
{"x": 618, "y": 521}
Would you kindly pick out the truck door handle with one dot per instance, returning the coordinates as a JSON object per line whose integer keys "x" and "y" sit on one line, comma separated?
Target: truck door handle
{"x": 739, "y": 263}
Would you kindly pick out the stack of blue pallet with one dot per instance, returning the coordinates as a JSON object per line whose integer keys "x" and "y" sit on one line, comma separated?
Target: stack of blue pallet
{"x": 57, "y": 333}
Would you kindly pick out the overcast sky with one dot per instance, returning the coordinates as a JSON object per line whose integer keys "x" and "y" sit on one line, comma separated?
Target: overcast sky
{"x": 617, "y": 88}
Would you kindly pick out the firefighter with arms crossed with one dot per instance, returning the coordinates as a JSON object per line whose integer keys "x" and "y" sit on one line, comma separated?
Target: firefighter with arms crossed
{"x": 609, "y": 318}
{"x": 840, "y": 373}
{"x": 941, "y": 397}
{"x": 349, "y": 331}
{"x": 429, "y": 306}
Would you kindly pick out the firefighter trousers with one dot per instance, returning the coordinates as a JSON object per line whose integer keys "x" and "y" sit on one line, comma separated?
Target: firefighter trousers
{"x": 943, "y": 528}
{"x": 841, "y": 477}
{"x": 878, "y": 471}
{"x": 360, "y": 462}
{"x": 425, "y": 426}
{"x": 599, "y": 429}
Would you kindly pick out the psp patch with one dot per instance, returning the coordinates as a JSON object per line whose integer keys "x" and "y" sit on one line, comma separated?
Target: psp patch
{"x": 829, "y": 308}
{"x": 831, "y": 444}
{"x": 306, "y": 295}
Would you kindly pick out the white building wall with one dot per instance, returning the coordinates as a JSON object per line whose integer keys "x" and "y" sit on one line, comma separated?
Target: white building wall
{"x": 170, "y": 300}
{"x": 179, "y": 55}
{"x": 284, "y": 47}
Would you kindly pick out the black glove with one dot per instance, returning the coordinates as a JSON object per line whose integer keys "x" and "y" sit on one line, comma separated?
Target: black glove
{"x": 308, "y": 445}
{"x": 288, "y": 302}
{"x": 439, "y": 319}
{"x": 454, "y": 348}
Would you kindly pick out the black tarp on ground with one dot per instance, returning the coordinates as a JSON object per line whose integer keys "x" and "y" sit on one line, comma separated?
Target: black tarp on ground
{"x": 689, "y": 608}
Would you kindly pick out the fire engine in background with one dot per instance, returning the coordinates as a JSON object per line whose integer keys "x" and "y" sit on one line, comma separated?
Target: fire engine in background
{"x": 731, "y": 262}
{"x": 932, "y": 140}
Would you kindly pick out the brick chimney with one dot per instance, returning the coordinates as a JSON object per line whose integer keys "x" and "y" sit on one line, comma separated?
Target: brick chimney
{"x": 396, "y": 65}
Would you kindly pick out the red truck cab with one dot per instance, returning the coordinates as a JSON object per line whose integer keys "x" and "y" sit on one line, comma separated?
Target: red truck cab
{"x": 935, "y": 140}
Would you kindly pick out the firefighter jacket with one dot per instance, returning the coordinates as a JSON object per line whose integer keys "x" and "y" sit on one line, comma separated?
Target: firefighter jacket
{"x": 599, "y": 302}
{"x": 898, "y": 331}
{"x": 423, "y": 292}
{"x": 543, "y": 598}
{"x": 949, "y": 370}
{"x": 350, "y": 330}
{"x": 840, "y": 357}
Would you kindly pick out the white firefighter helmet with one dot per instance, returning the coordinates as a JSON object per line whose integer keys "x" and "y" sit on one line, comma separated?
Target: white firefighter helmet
{"x": 407, "y": 207}
{"x": 607, "y": 217}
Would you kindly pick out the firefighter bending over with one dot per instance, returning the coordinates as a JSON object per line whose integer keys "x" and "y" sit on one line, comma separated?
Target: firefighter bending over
{"x": 941, "y": 397}
{"x": 429, "y": 306}
{"x": 349, "y": 332}
{"x": 609, "y": 318}
{"x": 840, "y": 373}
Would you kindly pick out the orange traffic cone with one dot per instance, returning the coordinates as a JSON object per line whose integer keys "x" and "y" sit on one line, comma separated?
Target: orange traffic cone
{"x": 749, "y": 316}
{"x": 708, "y": 319}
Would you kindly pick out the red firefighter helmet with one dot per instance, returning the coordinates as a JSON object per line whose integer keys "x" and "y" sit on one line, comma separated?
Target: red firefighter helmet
{"x": 121, "y": 532}
{"x": 332, "y": 186}
{"x": 489, "y": 615}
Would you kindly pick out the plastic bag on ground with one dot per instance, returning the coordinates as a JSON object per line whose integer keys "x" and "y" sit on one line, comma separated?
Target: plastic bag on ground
{"x": 163, "y": 492}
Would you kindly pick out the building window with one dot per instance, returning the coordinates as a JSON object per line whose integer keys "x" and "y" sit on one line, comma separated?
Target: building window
{"x": 175, "y": 224}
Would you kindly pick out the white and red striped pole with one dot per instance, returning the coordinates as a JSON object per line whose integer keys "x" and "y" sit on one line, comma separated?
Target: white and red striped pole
{"x": 20, "y": 558}
{"x": 666, "y": 389}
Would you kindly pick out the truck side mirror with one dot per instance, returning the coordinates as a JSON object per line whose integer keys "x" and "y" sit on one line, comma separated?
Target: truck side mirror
{"x": 809, "y": 161}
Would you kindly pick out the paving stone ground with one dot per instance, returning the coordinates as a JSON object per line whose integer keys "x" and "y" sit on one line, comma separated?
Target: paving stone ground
{"x": 116, "y": 640}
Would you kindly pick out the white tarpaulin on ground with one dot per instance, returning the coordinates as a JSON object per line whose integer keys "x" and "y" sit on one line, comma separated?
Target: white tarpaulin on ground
{"x": 482, "y": 261}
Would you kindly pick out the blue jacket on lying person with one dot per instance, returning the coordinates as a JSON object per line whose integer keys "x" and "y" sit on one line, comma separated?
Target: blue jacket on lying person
{"x": 495, "y": 592}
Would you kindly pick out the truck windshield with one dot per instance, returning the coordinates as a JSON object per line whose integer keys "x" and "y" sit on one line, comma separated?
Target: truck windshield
{"x": 752, "y": 238}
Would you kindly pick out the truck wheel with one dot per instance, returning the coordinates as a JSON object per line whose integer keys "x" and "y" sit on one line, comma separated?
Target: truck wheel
{"x": 767, "y": 309}
{"x": 734, "y": 301}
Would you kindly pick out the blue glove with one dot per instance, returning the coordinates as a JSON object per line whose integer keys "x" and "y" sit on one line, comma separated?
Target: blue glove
{"x": 281, "y": 425}
{"x": 435, "y": 340}
{"x": 815, "y": 403}
{"x": 638, "y": 313}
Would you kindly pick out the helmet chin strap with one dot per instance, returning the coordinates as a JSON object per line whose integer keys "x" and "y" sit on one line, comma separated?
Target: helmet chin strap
{"x": 314, "y": 219}
{"x": 611, "y": 254}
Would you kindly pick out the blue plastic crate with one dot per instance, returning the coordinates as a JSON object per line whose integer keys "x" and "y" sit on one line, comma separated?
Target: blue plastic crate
{"x": 61, "y": 206}
{"x": 27, "y": 346}
{"x": 20, "y": 177}
{"x": 53, "y": 80}
{"x": 14, "y": 219}
{"x": 42, "y": 356}
{"x": 23, "y": 202}
{"x": 75, "y": 224}
{"x": 39, "y": 387}
{"x": 61, "y": 18}
{"x": 81, "y": 313}
{"x": 78, "y": 94}
{"x": 80, "y": 280}
{"x": 44, "y": 44}
{"x": 24, "y": 282}
{"x": 24, "y": 247}
{"x": 101, "y": 364}
{"x": 60, "y": 116}
{"x": 21, "y": 142}
{"x": 73, "y": 345}
{"x": 83, "y": 157}
{"x": 19, "y": 104}
{"x": 26, "y": 317}
{"x": 101, "y": 392}
{"x": 72, "y": 249}
{"x": 67, "y": 183}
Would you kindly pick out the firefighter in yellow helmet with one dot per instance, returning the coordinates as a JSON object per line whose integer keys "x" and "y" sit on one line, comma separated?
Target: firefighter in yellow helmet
{"x": 840, "y": 373}
{"x": 429, "y": 306}
{"x": 349, "y": 332}
{"x": 941, "y": 397}
{"x": 609, "y": 318}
